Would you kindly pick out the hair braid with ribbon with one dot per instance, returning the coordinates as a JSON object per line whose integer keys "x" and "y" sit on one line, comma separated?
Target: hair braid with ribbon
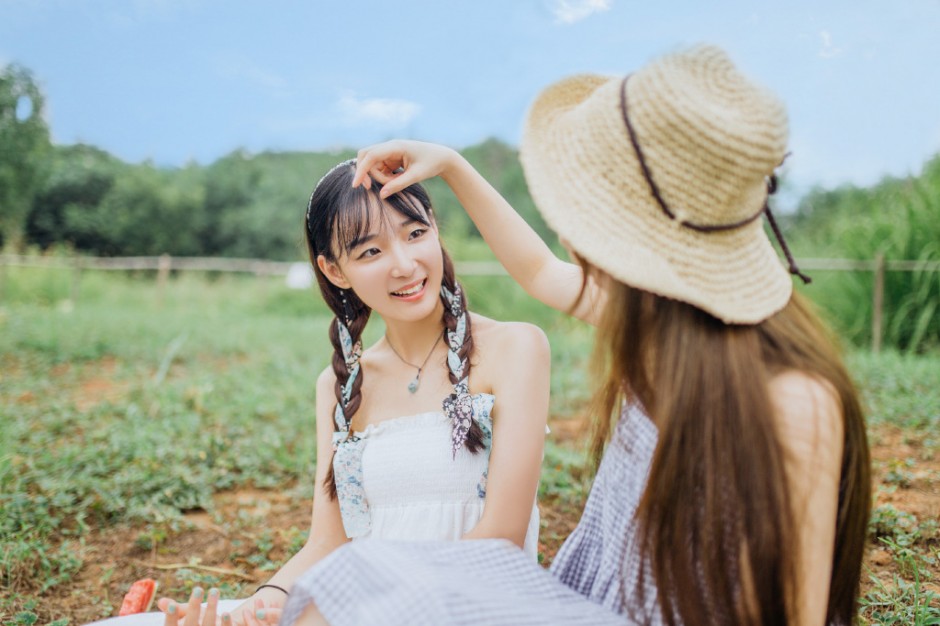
{"x": 458, "y": 406}
{"x": 346, "y": 337}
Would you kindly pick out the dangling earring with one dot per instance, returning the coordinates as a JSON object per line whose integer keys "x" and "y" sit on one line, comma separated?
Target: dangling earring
{"x": 347, "y": 313}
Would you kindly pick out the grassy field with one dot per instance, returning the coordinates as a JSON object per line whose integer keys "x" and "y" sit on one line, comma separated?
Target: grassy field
{"x": 170, "y": 435}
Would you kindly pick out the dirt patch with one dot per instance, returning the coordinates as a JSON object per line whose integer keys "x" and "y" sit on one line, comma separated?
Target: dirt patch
{"x": 99, "y": 388}
{"x": 573, "y": 431}
{"x": 220, "y": 548}
{"x": 906, "y": 503}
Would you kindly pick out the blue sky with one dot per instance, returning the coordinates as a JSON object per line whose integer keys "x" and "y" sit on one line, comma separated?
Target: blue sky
{"x": 180, "y": 80}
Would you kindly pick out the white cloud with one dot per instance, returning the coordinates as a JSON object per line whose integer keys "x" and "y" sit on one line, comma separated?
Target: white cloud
{"x": 828, "y": 50}
{"x": 393, "y": 114}
{"x": 571, "y": 11}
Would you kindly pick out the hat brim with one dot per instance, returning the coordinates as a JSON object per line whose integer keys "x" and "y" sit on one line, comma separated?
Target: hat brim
{"x": 600, "y": 203}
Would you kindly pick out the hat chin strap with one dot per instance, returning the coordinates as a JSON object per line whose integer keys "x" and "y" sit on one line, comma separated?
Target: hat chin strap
{"x": 708, "y": 228}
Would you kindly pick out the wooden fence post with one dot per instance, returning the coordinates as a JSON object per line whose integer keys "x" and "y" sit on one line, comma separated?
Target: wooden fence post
{"x": 76, "y": 283}
{"x": 3, "y": 279}
{"x": 878, "y": 297}
{"x": 163, "y": 274}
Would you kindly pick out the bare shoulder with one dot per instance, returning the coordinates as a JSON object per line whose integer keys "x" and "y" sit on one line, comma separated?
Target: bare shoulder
{"x": 809, "y": 413}
{"x": 504, "y": 349}
{"x": 519, "y": 337}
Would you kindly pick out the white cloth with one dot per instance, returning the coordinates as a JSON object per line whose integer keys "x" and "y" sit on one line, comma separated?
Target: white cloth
{"x": 416, "y": 489}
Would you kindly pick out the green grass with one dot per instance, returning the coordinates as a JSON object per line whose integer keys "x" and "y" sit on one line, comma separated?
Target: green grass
{"x": 131, "y": 406}
{"x": 899, "y": 389}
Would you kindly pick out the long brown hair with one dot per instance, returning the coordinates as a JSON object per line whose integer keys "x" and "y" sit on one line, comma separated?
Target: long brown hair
{"x": 337, "y": 216}
{"x": 715, "y": 519}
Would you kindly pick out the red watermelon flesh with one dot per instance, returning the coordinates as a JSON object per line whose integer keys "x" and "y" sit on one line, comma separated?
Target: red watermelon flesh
{"x": 139, "y": 597}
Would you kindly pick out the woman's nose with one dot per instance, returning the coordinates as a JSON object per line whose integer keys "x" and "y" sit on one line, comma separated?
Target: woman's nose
{"x": 403, "y": 263}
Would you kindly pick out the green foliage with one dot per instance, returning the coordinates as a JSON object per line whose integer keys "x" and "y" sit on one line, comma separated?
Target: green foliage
{"x": 899, "y": 389}
{"x": 90, "y": 438}
{"x": 132, "y": 406}
{"x": 565, "y": 474}
{"x": 79, "y": 178}
{"x": 93, "y": 436}
{"x": 24, "y": 143}
{"x": 900, "y": 601}
{"x": 897, "y": 218}
{"x": 256, "y": 204}
{"x": 239, "y": 206}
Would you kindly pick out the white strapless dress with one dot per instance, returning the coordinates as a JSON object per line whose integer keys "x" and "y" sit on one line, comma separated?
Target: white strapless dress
{"x": 417, "y": 490}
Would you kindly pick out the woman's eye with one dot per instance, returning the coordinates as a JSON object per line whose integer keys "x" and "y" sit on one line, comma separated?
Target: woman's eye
{"x": 371, "y": 252}
{"x": 417, "y": 233}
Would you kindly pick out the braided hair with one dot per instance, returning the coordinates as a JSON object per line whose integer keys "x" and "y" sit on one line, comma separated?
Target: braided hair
{"x": 338, "y": 215}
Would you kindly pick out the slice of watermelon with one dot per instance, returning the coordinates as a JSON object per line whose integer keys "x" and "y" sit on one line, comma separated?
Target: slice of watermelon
{"x": 139, "y": 597}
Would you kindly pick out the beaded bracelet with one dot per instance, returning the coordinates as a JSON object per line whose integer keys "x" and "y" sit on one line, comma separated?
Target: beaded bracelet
{"x": 260, "y": 587}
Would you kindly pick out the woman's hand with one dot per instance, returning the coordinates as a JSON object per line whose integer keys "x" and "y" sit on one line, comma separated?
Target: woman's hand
{"x": 271, "y": 601}
{"x": 400, "y": 163}
{"x": 192, "y": 612}
{"x": 261, "y": 615}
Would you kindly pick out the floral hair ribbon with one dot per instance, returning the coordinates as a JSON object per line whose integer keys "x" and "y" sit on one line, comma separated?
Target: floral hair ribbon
{"x": 458, "y": 406}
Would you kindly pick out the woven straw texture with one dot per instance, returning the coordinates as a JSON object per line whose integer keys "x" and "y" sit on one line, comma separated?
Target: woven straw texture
{"x": 709, "y": 136}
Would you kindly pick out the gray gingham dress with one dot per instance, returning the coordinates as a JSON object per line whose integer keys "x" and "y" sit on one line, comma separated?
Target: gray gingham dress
{"x": 594, "y": 579}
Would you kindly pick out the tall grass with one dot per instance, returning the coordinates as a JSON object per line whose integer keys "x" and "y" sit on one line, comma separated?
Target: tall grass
{"x": 897, "y": 218}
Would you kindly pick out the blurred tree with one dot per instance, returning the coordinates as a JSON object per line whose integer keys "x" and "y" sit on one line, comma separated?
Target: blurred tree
{"x": 230, "y": 185}
{"x": 79, "y": 178}
{"x": 147, "y": 211}
{"x": 24, "y": 143}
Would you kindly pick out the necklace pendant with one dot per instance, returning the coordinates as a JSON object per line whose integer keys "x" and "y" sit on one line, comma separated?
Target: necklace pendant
{"x": 413, "y": 385}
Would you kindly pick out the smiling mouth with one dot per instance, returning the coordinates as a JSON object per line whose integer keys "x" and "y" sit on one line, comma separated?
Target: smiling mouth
{"x": 410, "y": 291}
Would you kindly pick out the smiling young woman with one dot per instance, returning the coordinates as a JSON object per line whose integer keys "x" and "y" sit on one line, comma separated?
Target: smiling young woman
{"x": 432, "y": 433}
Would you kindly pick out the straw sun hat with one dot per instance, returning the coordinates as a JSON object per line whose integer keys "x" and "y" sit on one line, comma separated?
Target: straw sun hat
{"x": 660, "y": 179}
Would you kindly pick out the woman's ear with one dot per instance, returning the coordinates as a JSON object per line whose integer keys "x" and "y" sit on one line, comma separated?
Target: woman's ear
{"x": 332, "y": 272}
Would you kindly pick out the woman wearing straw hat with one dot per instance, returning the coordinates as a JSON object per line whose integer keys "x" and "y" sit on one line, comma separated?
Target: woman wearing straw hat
{"x": 733, "y": 483}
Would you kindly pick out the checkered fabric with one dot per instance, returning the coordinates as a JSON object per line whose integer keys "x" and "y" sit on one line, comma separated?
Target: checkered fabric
{"x": 601, "y": 558}
{"x": 598, "y": 577}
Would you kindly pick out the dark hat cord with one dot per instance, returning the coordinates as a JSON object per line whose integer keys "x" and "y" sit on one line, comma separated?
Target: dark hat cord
{"x": 708, "y": 228}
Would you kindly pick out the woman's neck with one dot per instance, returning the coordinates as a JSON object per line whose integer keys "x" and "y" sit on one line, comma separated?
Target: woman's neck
{"x": 412, "y": 340}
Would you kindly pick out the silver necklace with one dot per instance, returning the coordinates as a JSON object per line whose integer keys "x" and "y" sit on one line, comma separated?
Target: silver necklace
{"x": 413, "y": 385}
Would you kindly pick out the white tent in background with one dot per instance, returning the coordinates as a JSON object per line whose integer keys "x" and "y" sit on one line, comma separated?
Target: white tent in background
{"x": 299, "y": 276}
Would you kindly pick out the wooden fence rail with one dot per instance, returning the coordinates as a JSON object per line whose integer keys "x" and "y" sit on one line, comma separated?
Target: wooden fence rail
{"x": 164, "y": 264}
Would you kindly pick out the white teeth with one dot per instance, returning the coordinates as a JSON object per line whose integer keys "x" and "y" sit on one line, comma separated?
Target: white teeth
{"x": 409, "y": 292}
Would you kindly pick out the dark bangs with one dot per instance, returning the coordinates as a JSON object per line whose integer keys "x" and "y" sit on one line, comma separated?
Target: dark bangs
{"x": 340, "y": 217}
